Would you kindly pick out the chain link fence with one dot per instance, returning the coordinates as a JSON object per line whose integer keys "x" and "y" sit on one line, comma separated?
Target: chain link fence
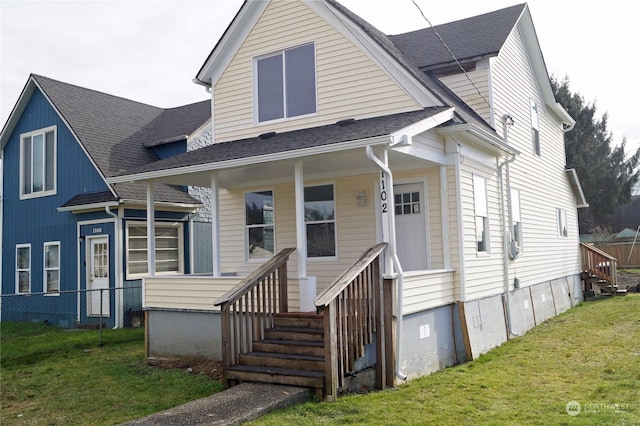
{"x": 92, "y": 311}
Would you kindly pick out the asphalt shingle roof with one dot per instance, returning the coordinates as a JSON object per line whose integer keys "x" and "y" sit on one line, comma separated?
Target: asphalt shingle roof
{"x": 343, "y": 131}
{"x": 114, "y": 130}
{"x": 475, "y": 37}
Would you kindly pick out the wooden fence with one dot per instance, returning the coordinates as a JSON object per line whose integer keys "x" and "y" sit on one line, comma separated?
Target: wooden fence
{"x": 620, "y": 251}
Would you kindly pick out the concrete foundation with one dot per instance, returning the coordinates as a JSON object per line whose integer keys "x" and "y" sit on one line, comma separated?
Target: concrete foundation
{"x": 184, "y": 334}
{"x": 542, "y": 300}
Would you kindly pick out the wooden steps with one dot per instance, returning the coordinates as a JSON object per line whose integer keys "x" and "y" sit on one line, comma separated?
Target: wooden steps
{"x": 291, "y": 353}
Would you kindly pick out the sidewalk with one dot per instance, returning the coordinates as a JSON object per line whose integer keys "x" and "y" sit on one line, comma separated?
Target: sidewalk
{"x": 234, "y": 406}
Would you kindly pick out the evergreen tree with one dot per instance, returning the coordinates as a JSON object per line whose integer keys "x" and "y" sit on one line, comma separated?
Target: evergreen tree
{"x": 606, "y": 173}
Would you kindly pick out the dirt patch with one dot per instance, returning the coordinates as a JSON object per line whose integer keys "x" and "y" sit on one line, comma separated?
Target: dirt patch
{"x": 209, "y": 367}
{"x": 629, "y": 280}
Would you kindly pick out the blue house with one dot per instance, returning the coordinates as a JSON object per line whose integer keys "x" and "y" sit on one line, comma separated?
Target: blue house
{"x": 75, "y": 244}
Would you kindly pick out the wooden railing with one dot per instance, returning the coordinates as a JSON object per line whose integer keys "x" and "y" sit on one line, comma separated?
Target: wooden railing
{"x": 248, "y": 309}
{"x": 352, "y": 307}
{"x": 598, "y": 263}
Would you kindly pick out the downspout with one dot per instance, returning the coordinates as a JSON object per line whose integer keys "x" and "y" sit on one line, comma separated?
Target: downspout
{"x": 118, "y": 277}
{"x": 396, "y": 262}
{"x": 507, "y": 123}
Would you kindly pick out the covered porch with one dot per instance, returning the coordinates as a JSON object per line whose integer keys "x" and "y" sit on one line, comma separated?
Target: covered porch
{"x": 391, "y": 192}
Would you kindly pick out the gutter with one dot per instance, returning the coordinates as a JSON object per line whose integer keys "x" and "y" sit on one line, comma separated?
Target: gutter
{"x": 394, "y": 256}
{"x": 507, "y": 123}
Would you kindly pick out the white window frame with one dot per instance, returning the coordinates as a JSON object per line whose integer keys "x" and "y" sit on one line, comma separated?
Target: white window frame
{"x": 316, "y": 222}
{"x": 516, "y": 219}
{"x": 481, "y": 212}
{"x": 256, "y": 101}
{"x": 44, "y": 192}
{"x": 18, "y": 270}
{"x": 158, "y": 225}
{"x": 247, "y": 255}
{"x": 563, "y": 228}
{"x": 535, "y": 127}
{"x": 46, "y": 269}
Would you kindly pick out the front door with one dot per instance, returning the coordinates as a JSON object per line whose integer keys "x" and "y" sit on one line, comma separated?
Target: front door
{"x": 98, "y": 303}
{"x": 411, "y": 231}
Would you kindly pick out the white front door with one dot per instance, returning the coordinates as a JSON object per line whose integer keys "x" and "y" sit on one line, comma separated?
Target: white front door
{"x": 98, "y": 277}
{"x": 411, "y": 231}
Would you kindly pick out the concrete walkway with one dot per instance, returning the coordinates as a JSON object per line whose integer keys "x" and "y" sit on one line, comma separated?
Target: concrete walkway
{"x": 234, "y": 406}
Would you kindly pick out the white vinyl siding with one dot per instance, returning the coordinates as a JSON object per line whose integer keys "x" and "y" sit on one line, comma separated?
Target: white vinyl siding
{"x": 473, "y": 89}
{"x": 51, "y": 267}
{"x": 349, "y": 83}
{"x": 23, "y": 268}
{"x": 38, "y": 163}
{"x": 169, "y": 249}
{"x": 545, "y": 256}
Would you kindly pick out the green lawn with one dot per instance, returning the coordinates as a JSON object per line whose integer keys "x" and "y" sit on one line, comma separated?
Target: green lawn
{"x": 55, "y": 377}
{"x": 590, "y": 354}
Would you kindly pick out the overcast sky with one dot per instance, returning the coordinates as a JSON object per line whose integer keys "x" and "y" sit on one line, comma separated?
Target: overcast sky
{"x": 149, "y": 51}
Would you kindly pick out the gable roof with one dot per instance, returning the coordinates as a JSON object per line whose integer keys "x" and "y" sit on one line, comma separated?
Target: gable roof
{"x": 113, "y": 130}
{"x": 471, "y": 38}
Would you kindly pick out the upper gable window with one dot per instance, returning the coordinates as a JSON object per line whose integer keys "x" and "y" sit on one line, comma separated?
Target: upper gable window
{"x": 38, "y": 163}
{"x": 286, "y": 84}
{"x": 535, "y": 129}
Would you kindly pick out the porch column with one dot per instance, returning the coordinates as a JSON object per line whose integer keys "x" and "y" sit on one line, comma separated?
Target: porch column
{"x": 151, "y": 231}
{"x": 306, "y": 284}
{"x": 215, "y": 224}
{"x": 444, "y": 212}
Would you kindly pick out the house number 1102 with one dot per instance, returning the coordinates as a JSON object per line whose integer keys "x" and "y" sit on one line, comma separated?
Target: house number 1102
{"x": 383, "y": 193}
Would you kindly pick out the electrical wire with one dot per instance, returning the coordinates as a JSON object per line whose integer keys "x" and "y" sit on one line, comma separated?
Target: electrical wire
{"x": 451, "y": 53}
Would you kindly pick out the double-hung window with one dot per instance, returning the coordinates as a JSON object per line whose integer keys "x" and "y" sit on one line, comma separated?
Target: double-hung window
{"x": 286, "y": 83}
{"x": 52, "y": 267}
{"x": 259, "y": 222}
{"x": 38, "y": 163}
{"x": 23, "y": 268}
{"x": 481, "y": 213}
{"x": 563, "y": 230}
{"x": 535, "y": 127}
{"x": 516, "y": 217}
{"x": 169, "y": 249}
{"x": 320, "y": 220}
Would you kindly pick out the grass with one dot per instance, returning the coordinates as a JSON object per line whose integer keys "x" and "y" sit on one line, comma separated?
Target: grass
{"x": 590, "y": 354}
{"x": 54, "y": 377}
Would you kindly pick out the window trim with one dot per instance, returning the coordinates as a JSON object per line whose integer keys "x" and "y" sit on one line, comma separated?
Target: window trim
{"x": 334, "y": 221}
{"x": 256, "y": 101}
{"x": 561, "y": 219}
{"x": 535, "y": 127}
{"x": 45, "y": 269}
{"x": 481, "y": 209}
{"x": 17, "y": 283}
{"x": 45, "y": 192}
{"x": 247, "y": 258}
{"x": 143, "y": 224}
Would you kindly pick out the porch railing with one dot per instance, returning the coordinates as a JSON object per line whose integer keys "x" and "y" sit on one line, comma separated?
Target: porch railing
{"x": 597, "y": 262}
{"x": 353, "y": 311}
{"x": 248, "y": 309}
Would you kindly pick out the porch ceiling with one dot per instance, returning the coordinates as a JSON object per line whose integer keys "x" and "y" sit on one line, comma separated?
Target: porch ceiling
{"x": 334, "y": 164}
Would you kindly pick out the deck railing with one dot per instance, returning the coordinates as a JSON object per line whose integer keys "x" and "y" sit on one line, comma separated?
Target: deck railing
{"x": 248, "y": 309}
{"x": 597, "y": 262}
{"x": 352, "y": 307}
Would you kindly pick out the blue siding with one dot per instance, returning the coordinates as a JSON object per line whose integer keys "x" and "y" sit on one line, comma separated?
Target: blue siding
{"x": 37, "y": 220}
{"x": 170, "y": 149}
